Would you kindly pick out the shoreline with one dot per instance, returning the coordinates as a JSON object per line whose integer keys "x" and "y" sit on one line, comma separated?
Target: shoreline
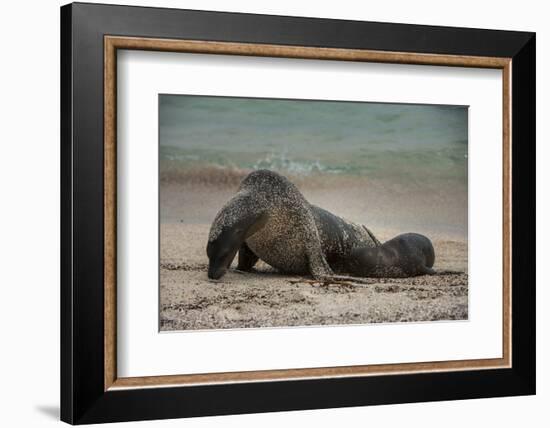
{"x": 377, "y": 204}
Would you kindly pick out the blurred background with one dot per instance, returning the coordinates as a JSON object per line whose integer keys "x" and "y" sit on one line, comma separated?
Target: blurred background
{"x": 388, "y": 165}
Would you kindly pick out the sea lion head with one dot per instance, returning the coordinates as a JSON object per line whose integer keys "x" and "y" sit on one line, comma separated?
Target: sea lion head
{"x": 236, "y": 221}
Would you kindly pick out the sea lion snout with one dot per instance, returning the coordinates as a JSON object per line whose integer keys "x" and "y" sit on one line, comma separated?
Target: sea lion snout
{"x": 236, "y": 221}
{"x": 220, "y": 256}
{"x": 216, "y": 272}
{"x": 222, "y": 249}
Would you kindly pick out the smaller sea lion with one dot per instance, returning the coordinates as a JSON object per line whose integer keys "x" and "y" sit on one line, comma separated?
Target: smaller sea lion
{"x": 409, "y": 254}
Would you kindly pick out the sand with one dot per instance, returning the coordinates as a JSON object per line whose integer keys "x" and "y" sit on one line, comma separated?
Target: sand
{"x": 266, "y": 298}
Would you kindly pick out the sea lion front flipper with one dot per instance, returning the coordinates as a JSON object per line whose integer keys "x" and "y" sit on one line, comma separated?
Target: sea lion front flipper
{"x": 321, "y": 270}
{"x": 318, "y": 265}
{"x": 316, "y": 261}
{"x": 247, "y": 259}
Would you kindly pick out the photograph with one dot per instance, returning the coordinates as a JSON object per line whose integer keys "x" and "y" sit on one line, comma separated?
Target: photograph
{"x": 293, "y": 213}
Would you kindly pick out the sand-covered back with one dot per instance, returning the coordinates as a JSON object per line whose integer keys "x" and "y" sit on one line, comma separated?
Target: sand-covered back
{"x": 265, "y": 298}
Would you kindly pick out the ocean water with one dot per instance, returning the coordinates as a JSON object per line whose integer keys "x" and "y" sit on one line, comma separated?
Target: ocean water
{"x": 397, "y": 142}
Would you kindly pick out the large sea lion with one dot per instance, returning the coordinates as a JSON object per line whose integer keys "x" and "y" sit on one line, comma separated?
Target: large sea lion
{"x": 409, "y": 254}
{"x": 269, "y": 219}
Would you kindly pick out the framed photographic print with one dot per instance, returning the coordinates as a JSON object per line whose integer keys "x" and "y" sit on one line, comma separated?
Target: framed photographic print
{"x": 265, "y": 213}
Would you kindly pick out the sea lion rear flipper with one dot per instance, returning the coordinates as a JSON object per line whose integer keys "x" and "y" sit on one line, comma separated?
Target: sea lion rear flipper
{"x": 377, "y": 243}
{"x": 247, "y": 259}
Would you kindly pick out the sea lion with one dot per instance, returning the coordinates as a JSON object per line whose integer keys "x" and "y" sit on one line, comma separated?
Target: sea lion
{"x": 269, "y": 219}
{"x": 409, "y": 254}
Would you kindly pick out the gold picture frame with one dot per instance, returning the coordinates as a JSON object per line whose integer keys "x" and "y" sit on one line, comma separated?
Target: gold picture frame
{"x": 114, "y": 43}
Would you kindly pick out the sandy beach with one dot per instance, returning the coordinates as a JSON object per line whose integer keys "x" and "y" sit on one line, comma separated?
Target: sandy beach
{"x": 265, "y": 298}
